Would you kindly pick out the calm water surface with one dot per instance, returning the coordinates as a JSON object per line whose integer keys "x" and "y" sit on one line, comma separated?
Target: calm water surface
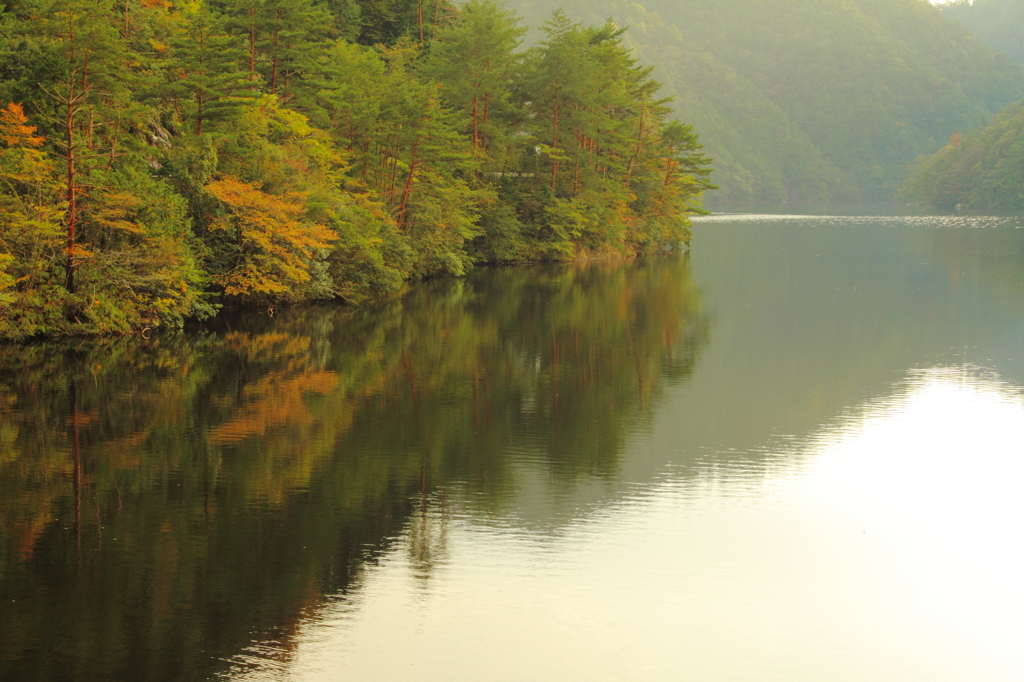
{"x": 794, "y": 454}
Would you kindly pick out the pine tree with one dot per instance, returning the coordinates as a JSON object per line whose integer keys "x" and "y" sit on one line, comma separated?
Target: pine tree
{"x": 204, "y": 80}
{"x": 474, "y": 57}
{"x": 84, "y": 98}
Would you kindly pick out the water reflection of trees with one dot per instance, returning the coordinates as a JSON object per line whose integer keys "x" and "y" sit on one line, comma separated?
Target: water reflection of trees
{"x": 164, "y": 501}
{"x": 994, "y": 256}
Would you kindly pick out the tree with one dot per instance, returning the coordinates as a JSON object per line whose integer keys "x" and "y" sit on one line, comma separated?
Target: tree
{"x": 274, "y": 245}
{"x": 204, "y": 82}
{"x": 244, "y": 149}
{"x": 30, "y": 219}
{"x": 85, "y": 97}
{"x": 295, "y": 33}
{"x": 598, "y": 123}
{"x": 474, "y": 57}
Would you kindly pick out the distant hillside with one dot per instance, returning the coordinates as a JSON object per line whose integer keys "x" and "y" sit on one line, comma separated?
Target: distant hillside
{"x": 1000, "y": 23}
{"x": 980, "y": 172}
{"x": 811, "y": 101}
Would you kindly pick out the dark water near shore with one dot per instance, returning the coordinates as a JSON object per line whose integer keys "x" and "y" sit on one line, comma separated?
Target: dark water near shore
{"x": 792, "y": 454}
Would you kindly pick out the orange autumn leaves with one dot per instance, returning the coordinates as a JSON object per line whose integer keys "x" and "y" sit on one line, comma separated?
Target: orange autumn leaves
{"x": 275, "y": 243}
{"x": 14, "y": 130}
{"x": 23, "y": 169}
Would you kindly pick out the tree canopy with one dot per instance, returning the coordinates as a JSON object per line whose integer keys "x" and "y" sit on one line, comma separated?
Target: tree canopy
{"x": 160, "y": 160}
{"x": 981, "y": 171}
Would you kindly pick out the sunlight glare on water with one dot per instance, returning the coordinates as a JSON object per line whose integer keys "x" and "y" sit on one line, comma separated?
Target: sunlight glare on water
{"x": 883, "y": 547}
{"x": 934, "y": 473}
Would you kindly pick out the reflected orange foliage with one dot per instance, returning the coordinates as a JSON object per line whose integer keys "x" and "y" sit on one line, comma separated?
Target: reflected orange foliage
{"x": 274, "y": 400}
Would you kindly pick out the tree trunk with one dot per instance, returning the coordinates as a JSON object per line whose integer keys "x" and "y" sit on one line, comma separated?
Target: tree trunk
{"x": 419, "y": 18}
{"x": 476, "y": 134}
{"x": 277, "y": 43}
{"x": 487, "y": 105}
{"x": 437, "y": 12}
{"x": 670, "y": 167}
{"x": 69, "y": 130}
{"x": 407, "y": 190}
{"x": 69, "y": 121}
{"x": 639, "y": 141}
{"x": 252, "y": 45}
{"x": 554, "y": 142}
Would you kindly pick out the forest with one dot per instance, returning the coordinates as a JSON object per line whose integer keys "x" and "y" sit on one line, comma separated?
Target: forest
{"x": 812, "y": 103}
{"x": 982, "y": 169}
{"x": 997, "y": 22}
{"x": 159, "y": 160}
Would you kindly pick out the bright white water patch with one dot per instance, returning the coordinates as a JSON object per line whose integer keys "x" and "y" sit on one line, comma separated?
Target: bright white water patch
{"x": 885, "y": 546}
{"x": 933, "y": 475}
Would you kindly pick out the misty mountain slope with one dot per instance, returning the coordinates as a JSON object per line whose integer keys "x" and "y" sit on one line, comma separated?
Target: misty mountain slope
{"x": 807, "y": 101}
{"x": 982, "y": 172}
{"x": 733, "y": 116}
{"x": 1000, "y": 23}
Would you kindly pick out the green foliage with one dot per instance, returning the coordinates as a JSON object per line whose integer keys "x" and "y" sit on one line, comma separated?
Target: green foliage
{"x": 803, "y": 102}
{"x": 204, "y": 81}
{"x": 473, "y": 56}
{"x": 609, "y": 158}
{"x": 142, "y": 271}
{"x": 167, "y": 158}
{"x": 983, "y": 171}
{"x": 997, "y": 22}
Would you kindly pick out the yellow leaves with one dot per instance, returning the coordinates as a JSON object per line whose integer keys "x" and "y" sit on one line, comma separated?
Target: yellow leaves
{"x": 13, "y": 129}
{"x": 280, "y": 125}
{"x": 290, "y": 120}
{"x": 6, "y": 280}
{"x": 247, "y": 279}
{"x": 276, "y": 244}
{"x": 115, "y": 211}
{"x": 290, "y": 153}
{"x": 554, "y": 153}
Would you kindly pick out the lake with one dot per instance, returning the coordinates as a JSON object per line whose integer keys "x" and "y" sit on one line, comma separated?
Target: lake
{"x": 793, "y": 453}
